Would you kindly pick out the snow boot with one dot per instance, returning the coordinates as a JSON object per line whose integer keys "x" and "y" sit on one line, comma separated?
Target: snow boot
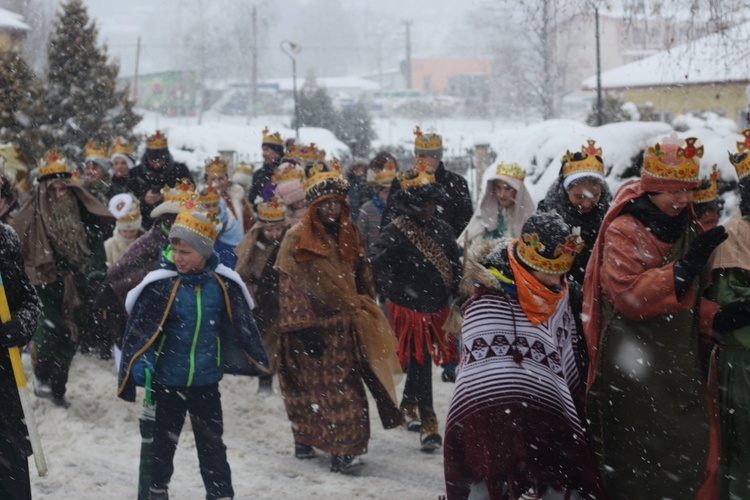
{"x": 303, "y": 451}
{"x": 430, "y": 438}
{"x": 265, "y": 385}
{"x": 158, "y": 494}
{"x": 411, "y": 418}
{"x": 345, "y": 464}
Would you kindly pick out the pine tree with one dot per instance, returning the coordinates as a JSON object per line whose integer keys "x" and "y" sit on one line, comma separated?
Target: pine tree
{"x": 354, "y": 128}
{"x": 81, "y": 99}
{"x": 20, "y": 105}
{"x": 315, "y": 106}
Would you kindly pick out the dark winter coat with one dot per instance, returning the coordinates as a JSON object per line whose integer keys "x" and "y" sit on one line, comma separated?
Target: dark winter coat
{"x": 104, "y": 190}
{"x": 260, "y": 179}
{"x": 151, "y": 307}
{"x": 359, "y": 192}
{"x": 557, "y": 199}
{"x": 24, "y": 305}
{"x": 405, "y": 275}
{"x": 143, "y": 178}
{"x": 456, "y": 209}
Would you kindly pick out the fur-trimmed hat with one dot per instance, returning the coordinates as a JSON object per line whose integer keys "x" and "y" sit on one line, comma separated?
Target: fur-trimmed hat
{"x": 127, "y": 210}
{"x": 323, "y": 178}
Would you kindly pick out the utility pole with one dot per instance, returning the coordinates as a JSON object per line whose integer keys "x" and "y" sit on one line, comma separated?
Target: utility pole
{"x": 408, "y": 53}
{"x": 253, "y": 107}
{"x": 599, "y": 104}
{"x": 135, "y": 79}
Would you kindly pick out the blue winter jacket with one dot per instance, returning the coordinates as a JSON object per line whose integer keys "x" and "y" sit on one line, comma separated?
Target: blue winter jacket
{"x": 189, "y": 332}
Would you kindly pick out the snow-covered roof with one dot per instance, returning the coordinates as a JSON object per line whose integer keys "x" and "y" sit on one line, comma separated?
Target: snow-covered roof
{"x": 333, "y": 82}
{"x": 716, "y": 58}
{"x": 11, "y": 20}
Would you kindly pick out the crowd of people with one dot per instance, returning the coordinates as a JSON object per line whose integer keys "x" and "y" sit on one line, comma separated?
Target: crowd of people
{"x": 597, "y": 341}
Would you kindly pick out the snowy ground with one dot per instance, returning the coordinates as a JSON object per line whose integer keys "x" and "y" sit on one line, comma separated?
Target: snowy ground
{"x": 92, "y": 448}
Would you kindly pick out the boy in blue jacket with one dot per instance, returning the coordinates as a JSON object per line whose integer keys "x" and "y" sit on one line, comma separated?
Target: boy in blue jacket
{"x": 190, "y": 321}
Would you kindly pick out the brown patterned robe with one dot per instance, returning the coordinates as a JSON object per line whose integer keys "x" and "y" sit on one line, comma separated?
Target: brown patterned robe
{"x": 325, "y": 397}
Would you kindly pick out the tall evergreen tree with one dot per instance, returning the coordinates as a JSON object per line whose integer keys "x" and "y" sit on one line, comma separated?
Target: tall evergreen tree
{"x": 354, "y": 128}
{"x": 20, "y": 105}
{"x": 82, "y": 99}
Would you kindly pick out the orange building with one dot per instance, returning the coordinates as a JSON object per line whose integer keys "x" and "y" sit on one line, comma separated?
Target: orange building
{"x": 437, "y": 76}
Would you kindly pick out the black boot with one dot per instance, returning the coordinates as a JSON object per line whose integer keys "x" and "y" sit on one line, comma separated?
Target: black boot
{"x": 58, "y": 383}
{"x": 345, "y": 464}
{"x": 42, "y": 388}
{"x": 265, "y": 385}
{"x": 303, "y": 451}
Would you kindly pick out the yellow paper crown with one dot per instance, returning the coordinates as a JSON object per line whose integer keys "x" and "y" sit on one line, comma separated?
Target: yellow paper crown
{"x": 272, "y": 210}
{"x": 53, "y": 163}
{"x": 428, "y": 142}
{"x": 686, "y": 169}
{"x": 421, "y": 174}
{"x": 208, "y": 228}
{"x": 741, "y": 160}
{"x": 320, "y": 171}
{"x": 589, "y": 164}
{"x": 511, "y": 170}
{"x": 245, "y": 167}
{"x": 308, "y": 153}
{"x": 182, "y": 193}
{"x": 156, "y": 141}
{"x": 121, "y": 145}
{"x": 710, "y": 193}
{"x": 216, "y": 165}
{"x": 274, "y": 138}
{"x": 210, "y": 194}
{"x": 289, "y": 170}
{"x": 530, "y": 248}
{"x": 386, "y": 174}
{"x": 96, "y": 149}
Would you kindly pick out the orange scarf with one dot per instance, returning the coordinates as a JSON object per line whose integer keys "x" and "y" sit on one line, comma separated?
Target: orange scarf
{"x": 537, "y": 301}
{"x": 314, "y": 241}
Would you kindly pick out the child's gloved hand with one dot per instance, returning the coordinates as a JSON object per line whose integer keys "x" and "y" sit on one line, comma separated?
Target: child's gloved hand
{"x": 139, "y": 370}
{"x": 12, "y": 334}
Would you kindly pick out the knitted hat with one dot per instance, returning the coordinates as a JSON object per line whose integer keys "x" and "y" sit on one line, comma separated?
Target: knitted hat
{"x": 421, "y": 175}
{"x": 547, "y": 243}
{"x": 288, "y": 177}
{"x": 273, "y": 141}
{"x": 669, "y": 167}
{"x": 323, "y": 178}
{"x": 428, "y": 144}
{"x": 120, "y": 148}
{"x": 176, "y": 198}
{"x": 97, "y": 154}
{"x": 269, "y": 207}
{"x": 53, "y": 166}
{"x": 587, "y": 163}
{"x": 198, "y": 228}
{"x": 127, "y": 210}
{"x": 417, "y": 188}
{"x": 708, "y": 191}
{"x": 740, "y": 159}
{"x": 243, "y": 174}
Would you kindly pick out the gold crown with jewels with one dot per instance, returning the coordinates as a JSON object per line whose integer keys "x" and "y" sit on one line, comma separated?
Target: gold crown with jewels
{"x": 530, "y": 248}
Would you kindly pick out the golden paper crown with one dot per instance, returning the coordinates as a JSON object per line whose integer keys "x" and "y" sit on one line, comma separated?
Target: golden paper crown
{"x": 182, "y": 193}
{"x": 121, "y": 145}
{"x": 288, "y": 170}
{"x": 710, "y": 193}
{"x": 319, "y": 172}
{"x": 209, "y": 194}
{"x": 511, "y": 170}
{"x": 589, "y": 164}
{"x": 53, "y": 164}
{"x": 386, "y": 174}
{"x": 687, "y": 166}
{"x": 272, "y": 210}
{"x": 245, "y": 167}
{"x": 125, "y": 207}
{"x": 208, "y": 228}
{"x": 96, "y": 149}
{"x": 428, "y": 142}
{"x": 530, "y": 248}
{"x": 741, "y": 160}
{"x": 274, "y": 138}
{"x": 216, "y": 165}
{"x": 308, "y": 153}
{"x": 421, "y": 174}
{"x": 156, "y": 141}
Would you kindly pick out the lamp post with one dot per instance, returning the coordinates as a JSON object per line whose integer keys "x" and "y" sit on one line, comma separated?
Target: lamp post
{"x": 599, "y": 109}
{"x": 292, "y": 49}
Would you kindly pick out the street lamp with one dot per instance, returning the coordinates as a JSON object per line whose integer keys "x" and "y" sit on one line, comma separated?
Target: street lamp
{"x": 292, "y": 49}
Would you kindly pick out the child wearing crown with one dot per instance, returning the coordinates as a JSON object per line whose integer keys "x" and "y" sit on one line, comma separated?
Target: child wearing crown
{"x": 256, "y": 256}
{"x": 190, "y": 321}
{"x": 641, "y": 315}
{"x": 516, "y": 422}
{"x": 415, "y": 260}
